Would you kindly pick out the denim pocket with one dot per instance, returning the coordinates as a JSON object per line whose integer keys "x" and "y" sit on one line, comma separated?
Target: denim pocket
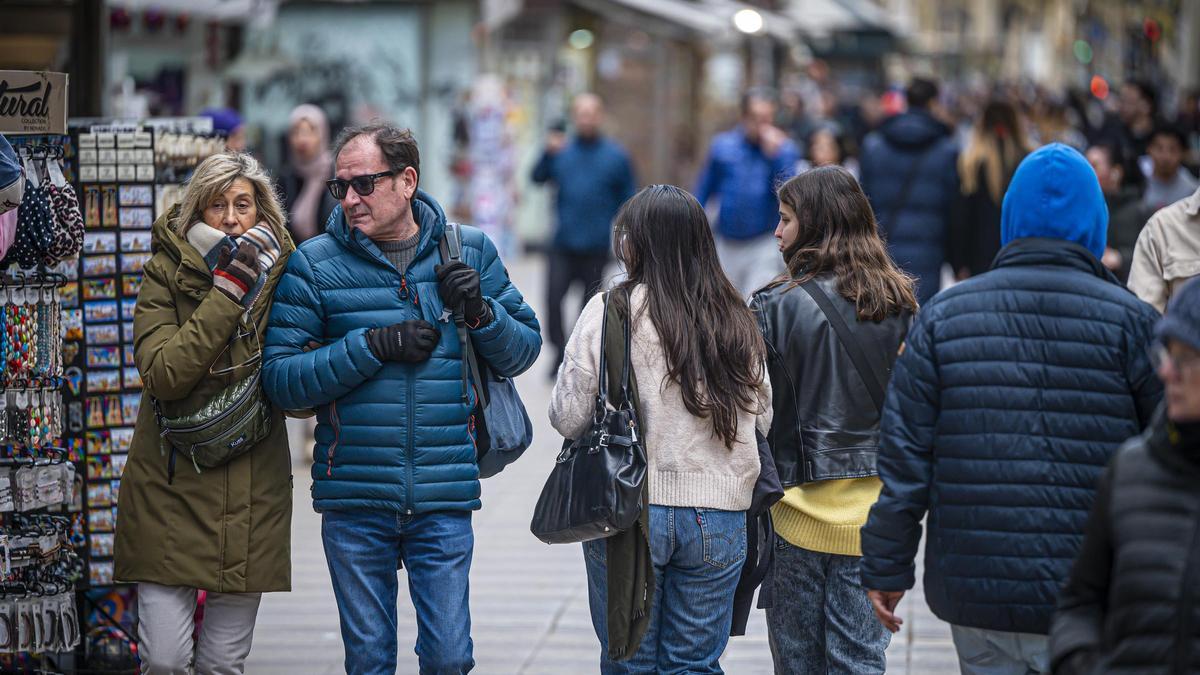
{"x": 724, "y": 535}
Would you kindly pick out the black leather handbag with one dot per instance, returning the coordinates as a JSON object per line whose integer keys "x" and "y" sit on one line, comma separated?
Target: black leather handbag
{"x": 595, "y": 488}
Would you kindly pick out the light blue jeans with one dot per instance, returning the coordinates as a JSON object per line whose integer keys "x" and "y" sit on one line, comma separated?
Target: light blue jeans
{"x": 997, "y": 652}
{"x": 364, "y": 549}
{"x": 698, "y": 556}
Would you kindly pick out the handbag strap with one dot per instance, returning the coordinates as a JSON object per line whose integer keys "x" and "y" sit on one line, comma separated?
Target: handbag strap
{"x": 625, "y": 362}
{"x": 603, "y": 386}
{"x": 450, "y": 248}
{"x": 849, "y": 342}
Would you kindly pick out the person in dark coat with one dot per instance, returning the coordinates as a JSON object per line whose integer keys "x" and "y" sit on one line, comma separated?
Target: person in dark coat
{"x": 1127, "y": 214}
{"x": 986, "y": 165}
{"x": 1131, "y": 604}
{"x": 1013, "y": 390}
{"x": 909, "y": 172}
{"x": 594, "y": 176}
{"x": 302, "y": 181}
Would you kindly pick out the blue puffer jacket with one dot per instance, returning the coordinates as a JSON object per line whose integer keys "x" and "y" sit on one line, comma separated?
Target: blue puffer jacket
{"x": 916, "y": 233}
{"x": 1013, "y": 389}
{"x": 391, "y": 436}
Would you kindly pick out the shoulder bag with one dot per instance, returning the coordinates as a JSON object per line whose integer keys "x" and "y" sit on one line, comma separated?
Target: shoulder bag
{"x": 502, "y": 426}
{"x": 226, "y": 427}
{"x": 595, "y": 488}
{"x": 875, "y": 385}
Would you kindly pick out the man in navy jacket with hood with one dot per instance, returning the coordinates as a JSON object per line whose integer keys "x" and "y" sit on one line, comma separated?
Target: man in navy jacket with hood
{"x": 1010, "y": 394}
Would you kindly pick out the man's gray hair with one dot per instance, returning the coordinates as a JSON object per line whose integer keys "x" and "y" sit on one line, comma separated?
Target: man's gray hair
{"x": 399, "y": 146}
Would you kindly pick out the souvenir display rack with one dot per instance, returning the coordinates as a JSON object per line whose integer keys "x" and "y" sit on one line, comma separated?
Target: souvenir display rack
{"x": 128, "y": 173}
{"x": 41, "y": 522}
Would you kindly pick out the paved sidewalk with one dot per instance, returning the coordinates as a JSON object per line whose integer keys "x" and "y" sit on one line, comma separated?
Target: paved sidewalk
{"x": 528, "y": 600}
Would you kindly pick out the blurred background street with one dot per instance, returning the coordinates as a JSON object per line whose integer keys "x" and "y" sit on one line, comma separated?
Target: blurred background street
{"x": 487, "y": 87}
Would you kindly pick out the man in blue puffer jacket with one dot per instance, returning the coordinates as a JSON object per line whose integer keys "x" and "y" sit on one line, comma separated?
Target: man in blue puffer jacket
{"x": 358, "y": 331}
{"x": 910, "y": 173}
{"x": 1011, "y": 393}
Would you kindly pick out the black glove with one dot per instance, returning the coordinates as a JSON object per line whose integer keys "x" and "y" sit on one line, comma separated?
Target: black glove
{"x": 411, "y": 341}
{"x": 458, "y": 285}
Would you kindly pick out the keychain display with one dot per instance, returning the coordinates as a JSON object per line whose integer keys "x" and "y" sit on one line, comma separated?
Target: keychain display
{"x": 38, "y": 571}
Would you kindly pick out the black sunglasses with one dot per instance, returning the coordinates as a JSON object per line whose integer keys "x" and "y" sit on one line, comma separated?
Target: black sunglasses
{"x": 363, "y": 185}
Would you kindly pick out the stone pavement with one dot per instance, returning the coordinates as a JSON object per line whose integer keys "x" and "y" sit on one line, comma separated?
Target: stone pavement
{"x": 528, "y": 600}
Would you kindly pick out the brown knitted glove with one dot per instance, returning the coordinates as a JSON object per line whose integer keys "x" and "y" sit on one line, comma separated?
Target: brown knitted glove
{"x": 236, "y": 275}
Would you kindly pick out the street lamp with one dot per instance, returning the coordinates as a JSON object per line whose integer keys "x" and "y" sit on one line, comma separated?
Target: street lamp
{"x": 748, "y": 21}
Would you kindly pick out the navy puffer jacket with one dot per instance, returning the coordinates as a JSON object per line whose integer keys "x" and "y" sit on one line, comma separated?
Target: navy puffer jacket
{"x": 390, "y": 436}
{"x": 1012, "y": 391}
{"x": 915, "y": 144}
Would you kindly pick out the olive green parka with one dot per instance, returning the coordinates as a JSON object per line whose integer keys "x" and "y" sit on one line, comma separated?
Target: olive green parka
{"x": 226, "y": 529}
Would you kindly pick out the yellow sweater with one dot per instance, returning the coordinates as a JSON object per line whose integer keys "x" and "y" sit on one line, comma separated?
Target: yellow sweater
{"x": 825, "y": 516}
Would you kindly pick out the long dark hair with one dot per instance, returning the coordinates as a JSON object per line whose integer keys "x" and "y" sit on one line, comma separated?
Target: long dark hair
{"x": 837, "y": 234}
{"x": 713, "y": 348}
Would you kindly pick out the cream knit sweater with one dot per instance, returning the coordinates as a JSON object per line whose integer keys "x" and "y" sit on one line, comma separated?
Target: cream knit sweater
{"x": 689, "y": 466}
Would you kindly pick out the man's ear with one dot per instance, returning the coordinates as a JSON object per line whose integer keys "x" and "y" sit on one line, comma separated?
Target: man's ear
{"x": 408, "y": 179}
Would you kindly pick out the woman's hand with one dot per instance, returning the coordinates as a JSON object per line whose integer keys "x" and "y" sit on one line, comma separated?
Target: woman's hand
{"x": 235, "y": 275}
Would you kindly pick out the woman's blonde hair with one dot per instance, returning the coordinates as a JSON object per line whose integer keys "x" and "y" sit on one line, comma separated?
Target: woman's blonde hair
{"x": 997, "y": 146}
{"x": 214, "y": 175}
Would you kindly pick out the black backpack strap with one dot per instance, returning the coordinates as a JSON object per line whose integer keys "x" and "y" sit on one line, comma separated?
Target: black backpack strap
{"x": 869, "y": 377}
{"x": 450, "y": 247}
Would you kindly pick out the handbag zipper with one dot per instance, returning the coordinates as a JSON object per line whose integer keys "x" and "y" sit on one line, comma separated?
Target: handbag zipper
{"x": 224, "y": 413}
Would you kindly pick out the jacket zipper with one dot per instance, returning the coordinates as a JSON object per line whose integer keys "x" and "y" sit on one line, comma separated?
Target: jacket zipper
{"x": 1182, "y": 641}
{"x": 337, "y": 432}
{"x": 226, "y": 413}
{"x": 412, "y": 392}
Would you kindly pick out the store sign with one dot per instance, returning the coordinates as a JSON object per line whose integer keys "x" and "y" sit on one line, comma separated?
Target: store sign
{"x": 33, "y": 102}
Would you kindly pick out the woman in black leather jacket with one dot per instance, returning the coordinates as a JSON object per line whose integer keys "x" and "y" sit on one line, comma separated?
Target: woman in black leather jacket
{"x": 833, "y": 324}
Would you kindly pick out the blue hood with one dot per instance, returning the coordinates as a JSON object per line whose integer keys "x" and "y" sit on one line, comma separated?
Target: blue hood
{"x": 1055, "y": 194}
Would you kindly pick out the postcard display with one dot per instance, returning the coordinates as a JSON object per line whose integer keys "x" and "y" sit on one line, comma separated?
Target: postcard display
{"x": 127, "y": 174}
{"x": 41, "y": 523}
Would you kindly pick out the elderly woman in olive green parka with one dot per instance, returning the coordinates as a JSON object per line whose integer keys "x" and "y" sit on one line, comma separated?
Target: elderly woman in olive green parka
{"x": 204, "y": 303}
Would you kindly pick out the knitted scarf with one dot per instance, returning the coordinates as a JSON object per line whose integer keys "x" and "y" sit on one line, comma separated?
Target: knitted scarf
{"x": 210, "y": 241}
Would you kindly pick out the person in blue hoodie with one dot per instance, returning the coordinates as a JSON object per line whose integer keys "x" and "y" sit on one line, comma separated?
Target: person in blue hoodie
{"x": 1010, "y": 394}
{"x": 910, "y": 173}
{"x": 745, "y": 166}
{"x": 360, "y": 331}
{"x": 594, "y": 177}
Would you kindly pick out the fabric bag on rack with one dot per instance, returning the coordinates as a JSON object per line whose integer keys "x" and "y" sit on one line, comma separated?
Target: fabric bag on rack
{"x": 502, "y": 425}
{"x": 35, "y": 223}
{"x": 67, "y": 238}
{"x": 12, "y": 183}
{"x": 8, "y": 233}
{"x": 595, "y": 488}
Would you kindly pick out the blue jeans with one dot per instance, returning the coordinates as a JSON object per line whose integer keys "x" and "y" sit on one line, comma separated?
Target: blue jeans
{"x": 364, "y": 549}
{"x": 698, "y": 556}
{"x": 822, "y": 621}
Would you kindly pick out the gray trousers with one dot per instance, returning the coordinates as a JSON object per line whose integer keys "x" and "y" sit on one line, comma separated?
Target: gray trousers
{"x": 165, "y": 627}
{"x": 995, "y": 652}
